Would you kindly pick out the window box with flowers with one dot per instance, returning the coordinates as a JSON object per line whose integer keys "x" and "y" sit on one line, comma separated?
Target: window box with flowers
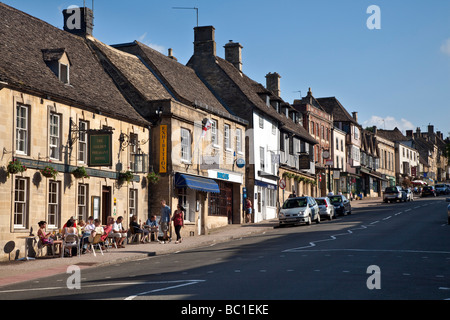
{"x": 15, "y": 166}
{"x": 49, "y": 172}
{"x": 153, "y": 177}
{"x": 80, "y": 172}
{"x": 126, "y": 176}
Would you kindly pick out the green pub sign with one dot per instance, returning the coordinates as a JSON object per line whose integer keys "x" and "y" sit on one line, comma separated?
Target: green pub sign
{"x": 100, "y": 150}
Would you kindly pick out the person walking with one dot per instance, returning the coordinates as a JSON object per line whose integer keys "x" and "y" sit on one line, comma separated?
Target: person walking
{"x": 164, "y": 221}
{"x": 248, "y": 210}
{"x": 178, "y": 222}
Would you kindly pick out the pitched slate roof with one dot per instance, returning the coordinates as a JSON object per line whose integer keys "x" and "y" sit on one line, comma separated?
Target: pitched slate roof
{"x": 332, "y": 106}
{"x": 26, "y": 41}
{"x": 251, "y": 90}
{"x": 392, "y": 135}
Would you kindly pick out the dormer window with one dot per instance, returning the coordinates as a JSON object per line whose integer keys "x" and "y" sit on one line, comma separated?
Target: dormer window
{"x": 58, "y": 61}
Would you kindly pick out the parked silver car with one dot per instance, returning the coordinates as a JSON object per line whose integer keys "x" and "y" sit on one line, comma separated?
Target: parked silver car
{"x": 409, "y": 194}
{"x": 326, "y": 209}
{"x": 299, "y": 209}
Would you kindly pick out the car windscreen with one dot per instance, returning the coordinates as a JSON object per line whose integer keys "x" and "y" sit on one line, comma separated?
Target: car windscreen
{"x": 294, "y": 203}
{"x": 335, "y": 199}
{"x": 391, "y": 190}
{"x": 321, "y": 202}
{"x": 428, "y": 188}
{"x": 440, "y": 186}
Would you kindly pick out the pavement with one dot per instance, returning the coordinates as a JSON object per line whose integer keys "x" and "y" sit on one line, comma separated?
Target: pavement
{"x": 16, "y": 271}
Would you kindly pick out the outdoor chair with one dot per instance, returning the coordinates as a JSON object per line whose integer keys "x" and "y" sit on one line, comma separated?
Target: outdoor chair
{"x": 97, "y": 242}
{"x": 41, "y": 247}
{"x": 71, "y": 241}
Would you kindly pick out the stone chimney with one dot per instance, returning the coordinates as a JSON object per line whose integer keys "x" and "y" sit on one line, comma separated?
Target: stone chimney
{"x": 430, "y": 129}
{"x": 233, "y": 54}
{"x": 273, "y": 83}
{"x": 355, "y": 116}
{"x": 170, "y": 54}
{"x": 79, "y": 21}
{"x": 204, "y": 41}
{"x": 409, "y": 133}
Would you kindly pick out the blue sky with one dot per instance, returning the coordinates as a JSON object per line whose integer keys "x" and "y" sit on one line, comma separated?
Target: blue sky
{"x": 398, "y": 75}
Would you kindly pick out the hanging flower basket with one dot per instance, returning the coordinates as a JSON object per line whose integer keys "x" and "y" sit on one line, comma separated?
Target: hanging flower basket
{"x": 126, "y": 176}
{"x": 80, "y": 172}
{"x": 49, "y": 172}
{"x": 153, "y": 177}
{"x": 15, "y": 166}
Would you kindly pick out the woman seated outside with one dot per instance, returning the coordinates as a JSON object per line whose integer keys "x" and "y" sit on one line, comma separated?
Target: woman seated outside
{"x": 70, "y": 230}
{"x": 107, "y": 228}
{"x": 46, "y": 238}
{"x": 136, "y": 228}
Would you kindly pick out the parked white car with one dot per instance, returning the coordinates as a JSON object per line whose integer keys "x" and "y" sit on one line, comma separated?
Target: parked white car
{"x": 298, "y": 210}
{"x": 326, "y": 209}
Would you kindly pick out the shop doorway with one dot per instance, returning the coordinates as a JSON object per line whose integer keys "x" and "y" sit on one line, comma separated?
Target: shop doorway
{"x": 106, "y": 203}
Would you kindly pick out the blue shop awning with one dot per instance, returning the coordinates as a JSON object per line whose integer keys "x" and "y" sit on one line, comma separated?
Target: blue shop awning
{"x": 196, "y": 183}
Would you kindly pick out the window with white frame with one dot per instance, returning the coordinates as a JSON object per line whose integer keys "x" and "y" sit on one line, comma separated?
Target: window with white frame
{"x": 238, "y": 140}
{"x": 22, "y": 131}
{"x": 55, "y": 139}
{"x": 186, "y": 154}
{"x": 214, "y": 132}
{"x": 82, "y": 201}
{"x": 20, "y": 202}
{"x": 64, "y": 73}
{"x": 82, "y": 141}
{"x": 132, "y": 207}
{"x": 53, "y": 204}
{"x": 261, "y": 122}
{"x": 226, "y": 137}
{"x": 262, "y": 158}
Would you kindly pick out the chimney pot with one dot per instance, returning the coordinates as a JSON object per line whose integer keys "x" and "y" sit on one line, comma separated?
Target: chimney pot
{"x": 355, "y": 116}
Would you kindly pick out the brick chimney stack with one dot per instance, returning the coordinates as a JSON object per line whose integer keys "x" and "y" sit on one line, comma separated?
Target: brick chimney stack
{"x": 204, "y": 41}
{"x": 233, "y": 54}
{"x": 273, "y": 83}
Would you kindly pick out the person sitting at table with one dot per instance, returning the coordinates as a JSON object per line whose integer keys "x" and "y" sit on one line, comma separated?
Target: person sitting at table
{"x": 98, "y": 230}
{"x": 137, "y": 229}
{"x": 80, "y": 228}
{"x": 107, "y": 228}
{"x": 88, "y": 228}
{"x": 46, "y": 238}
{"x": 74, "y": 222}
{"x": 152, "y": 225}
{"x": 68, "y": 231}
{"x": 119, "y": 232}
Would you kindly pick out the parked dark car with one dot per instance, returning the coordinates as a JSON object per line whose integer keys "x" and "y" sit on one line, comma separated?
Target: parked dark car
{"x": 441, "y": 189}
{"x": 341, "y": 205}
{"x": 394, "y": 194}
{"x": 428, "y": 191}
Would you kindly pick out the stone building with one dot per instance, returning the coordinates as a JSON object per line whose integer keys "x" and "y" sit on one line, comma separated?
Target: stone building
{"x": 61, "y": 111}
{"x": 197, "y": 146}
{"x": 270, "y": 121}
{"x": 319, "y": 124}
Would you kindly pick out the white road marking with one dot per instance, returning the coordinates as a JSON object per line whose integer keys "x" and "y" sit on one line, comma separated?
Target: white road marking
{"x": 163, "y": 289}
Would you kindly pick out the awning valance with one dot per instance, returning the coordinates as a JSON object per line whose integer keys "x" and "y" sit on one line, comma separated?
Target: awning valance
{"x": 196, "y": 183}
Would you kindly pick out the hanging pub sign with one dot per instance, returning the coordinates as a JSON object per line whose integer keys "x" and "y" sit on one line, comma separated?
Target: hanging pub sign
{"x": 100, "y": 148}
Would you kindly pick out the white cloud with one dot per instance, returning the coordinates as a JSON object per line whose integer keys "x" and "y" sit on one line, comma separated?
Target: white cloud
{"x": 388, "y": 123}
{"x": 445, "y": 48}
{"x": 155, "y": 46}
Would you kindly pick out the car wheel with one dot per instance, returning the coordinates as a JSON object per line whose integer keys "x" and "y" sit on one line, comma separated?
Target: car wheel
{"x": 308, "y": 222}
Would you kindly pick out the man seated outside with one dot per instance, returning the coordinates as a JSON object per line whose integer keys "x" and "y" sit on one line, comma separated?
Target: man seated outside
{"x": 152, "y": 225}
{"x": 119, "y": 232}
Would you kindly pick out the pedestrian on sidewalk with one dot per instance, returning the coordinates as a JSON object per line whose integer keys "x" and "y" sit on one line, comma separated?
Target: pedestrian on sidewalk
{"x": 164, "y": 221}
{"x": 248, "y": 210}
{"x": 178, "y": 222}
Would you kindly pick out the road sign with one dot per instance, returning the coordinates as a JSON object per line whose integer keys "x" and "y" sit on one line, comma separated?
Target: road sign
{"x": 282, "y": 183}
